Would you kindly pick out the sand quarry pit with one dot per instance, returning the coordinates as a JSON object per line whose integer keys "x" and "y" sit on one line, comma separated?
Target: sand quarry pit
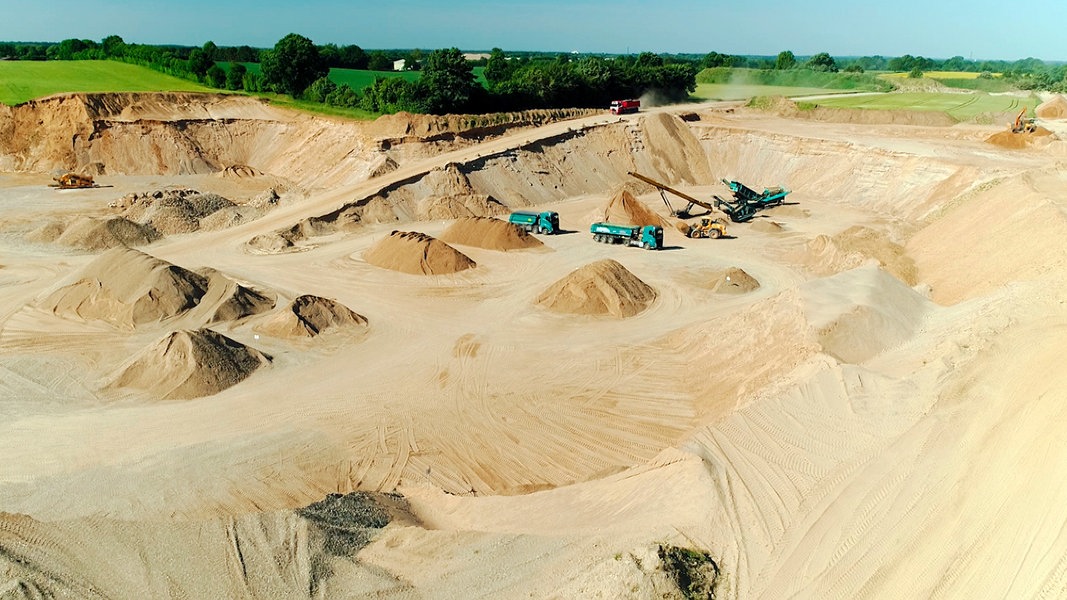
{"x": 230, "y": 420}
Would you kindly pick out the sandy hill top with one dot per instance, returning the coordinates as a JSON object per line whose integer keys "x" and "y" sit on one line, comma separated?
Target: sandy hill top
{"x": 855, "y": 246}
{"x": 489, "y": 233}
{"x": 1053, "y": 108}
{"x": 624, "y": 209}
{"x": 309, "y": 316}
{"x": 604, "y": 287}
{"x": 418, "y": 254}
{"x": 190, "y": 364}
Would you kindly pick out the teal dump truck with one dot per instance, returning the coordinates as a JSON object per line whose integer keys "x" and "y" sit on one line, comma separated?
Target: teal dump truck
{"x": 649, "y": 237}
{"x": 540, "y": 222}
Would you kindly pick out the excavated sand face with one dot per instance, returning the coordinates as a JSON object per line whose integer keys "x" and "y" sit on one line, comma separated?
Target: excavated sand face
{"x": 418, "y": 254}
{"x": 489, "y": 233}
{"x": 309, "y": 316}
{"x": 734, "y": 281}
{"x": 601, "y": 288}
{"x": 190, "y": 364}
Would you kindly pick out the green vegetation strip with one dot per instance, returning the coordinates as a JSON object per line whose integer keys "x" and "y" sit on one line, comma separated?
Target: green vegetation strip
{"x": 21, "y": 81}
{"x": 729, "y": 91}
{"x": 795, "y": 78}
{"x": 963, "y": 107}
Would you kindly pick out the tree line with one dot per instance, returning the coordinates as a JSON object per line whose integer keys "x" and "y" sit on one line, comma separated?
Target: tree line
{"x": 300, "y": 68}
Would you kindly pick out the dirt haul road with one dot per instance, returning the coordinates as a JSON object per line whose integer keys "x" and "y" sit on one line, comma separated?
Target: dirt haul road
{"x": 854, "y": 396}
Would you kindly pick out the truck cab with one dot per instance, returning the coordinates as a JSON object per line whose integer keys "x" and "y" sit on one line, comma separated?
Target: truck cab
{"x": 539, "y": 222}
{"x": 621, "y": 107}
{"x": 651, "y": 237}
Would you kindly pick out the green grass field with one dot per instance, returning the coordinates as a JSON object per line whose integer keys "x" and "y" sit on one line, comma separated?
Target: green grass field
{"x": 729, "y": 91}
{"x": 963, "y": 107}
{"x": 25, "y": 80}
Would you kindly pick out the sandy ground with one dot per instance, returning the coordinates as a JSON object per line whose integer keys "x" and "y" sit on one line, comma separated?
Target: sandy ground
{"x": 879, "y": 418}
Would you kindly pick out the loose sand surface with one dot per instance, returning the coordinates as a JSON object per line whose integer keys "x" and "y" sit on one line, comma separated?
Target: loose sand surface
{"x": 858, "y": 394}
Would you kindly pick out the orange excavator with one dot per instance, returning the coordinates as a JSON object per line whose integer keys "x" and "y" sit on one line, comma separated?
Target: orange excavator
{"x": 1022, "y": 124}
{"x": 73, "y": 181}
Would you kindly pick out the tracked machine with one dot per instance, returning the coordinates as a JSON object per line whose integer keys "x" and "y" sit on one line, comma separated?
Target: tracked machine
{"x": 73, "y": 181}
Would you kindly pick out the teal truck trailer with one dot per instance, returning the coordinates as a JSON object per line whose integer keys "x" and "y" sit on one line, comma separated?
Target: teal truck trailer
{"x": 649, "y": 237}
{"x": 541, "y": 222}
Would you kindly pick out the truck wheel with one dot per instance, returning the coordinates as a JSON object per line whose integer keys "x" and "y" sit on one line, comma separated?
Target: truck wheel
{"x": 715, "y": 234}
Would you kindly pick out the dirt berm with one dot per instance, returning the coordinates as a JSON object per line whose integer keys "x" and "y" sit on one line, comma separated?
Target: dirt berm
{"x": 604, "y": 287}
{"x": 190, "y": 364}
{"x": 418, "y": 254}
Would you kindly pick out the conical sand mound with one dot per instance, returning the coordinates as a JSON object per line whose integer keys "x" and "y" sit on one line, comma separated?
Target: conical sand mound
{"x": 489, "y": 233}
{"x": 128, "y": 288}
{"x": 1053, "y": 108}
{"x": 102, "y": 234}
{"x": 418, "y": 254}
{"x": 309, "y": 316}
{"x": 624, "y": 209}
{"x": 601, "y": 288}
{"x": 734, "y": 281}
{"x": 190, "y": 364}
{"x": 232, "y": 301}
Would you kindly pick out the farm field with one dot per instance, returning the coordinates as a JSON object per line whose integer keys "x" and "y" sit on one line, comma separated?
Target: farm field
{"x": 962, "y": 107}
{"x": 25, "y": 80}
{"x": 730, "y": 91}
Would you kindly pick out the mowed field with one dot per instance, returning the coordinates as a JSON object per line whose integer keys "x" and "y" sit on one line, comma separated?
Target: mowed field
{"x": 25, "y": 80}
{"x": 731, "y": 91}
{"x": 961, "y": 106}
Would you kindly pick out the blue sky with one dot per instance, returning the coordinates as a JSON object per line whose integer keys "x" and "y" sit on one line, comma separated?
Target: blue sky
{"x": 977, "y": 29}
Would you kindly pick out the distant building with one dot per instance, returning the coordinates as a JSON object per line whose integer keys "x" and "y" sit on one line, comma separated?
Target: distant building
{"x": 398, "y": 65}
{"x": 475, "y": 55}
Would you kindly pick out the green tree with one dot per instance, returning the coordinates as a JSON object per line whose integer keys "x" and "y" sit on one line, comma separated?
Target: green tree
{"x": 292, "y": 65}
{"x": 216, "y": 77}
{"x": 498, "y": 69}
{"x": 786, "y": 60}
{"x": 319, "y": 89}
{"x": 199, "y": 63}
{"x": 113, "y": 46}
{"x": 822, "y": 62}
{"x": 378, "y": 61}
{"x": 915, "y": 73}
{"x": 447, "y": 83}
{"x": 235, "y": 78}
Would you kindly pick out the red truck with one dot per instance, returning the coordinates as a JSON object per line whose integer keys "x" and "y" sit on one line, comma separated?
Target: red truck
{"x": 621, "y": 107}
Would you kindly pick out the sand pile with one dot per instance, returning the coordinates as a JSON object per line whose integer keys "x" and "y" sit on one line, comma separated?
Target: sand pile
{"x": 624, "y": 209}
{"x": 172, "y": 211}
{"x": 855, "y": 246}
{"x": 309, "y": 316}
{"x": 733, "y": 281}
{"x": 1053, "y": 108}
{"x": 460, "y": 205}
{"x": 128, "y": 288}
{"x": 418, "y": 254}
{"x": 675, "y": 152}
{"x": 861, "y": 313}
{"x": 766, "y": 226}
{"x": 94, "y": 234}
{"x": 1017, "y": 141}
{"x": 604, "y": 287}
{"x": 190, "y": 364}
{"x": 228, "y": 300}
{"x": 489, "y": 233}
